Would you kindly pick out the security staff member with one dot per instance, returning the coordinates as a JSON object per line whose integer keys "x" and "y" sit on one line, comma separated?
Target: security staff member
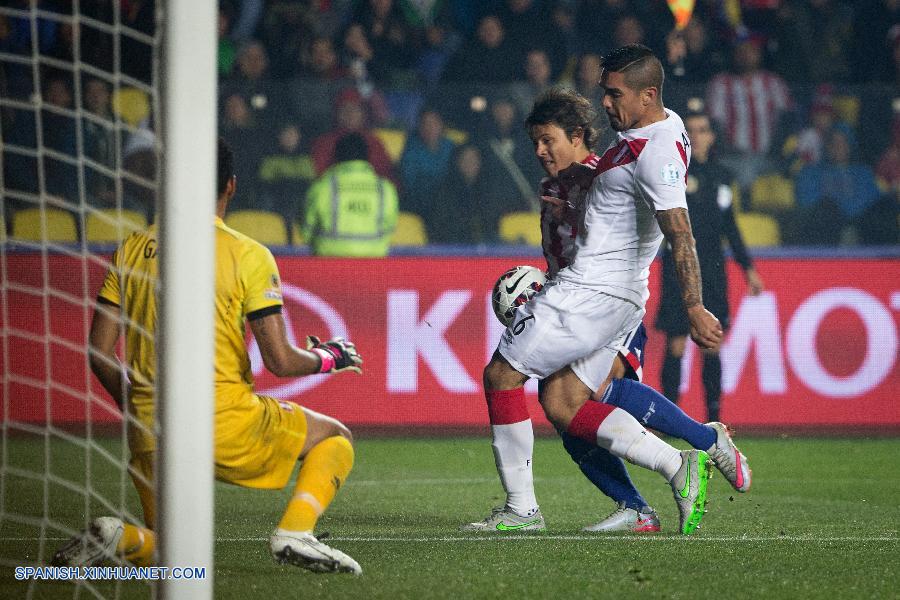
{"x": 350, "y": 210}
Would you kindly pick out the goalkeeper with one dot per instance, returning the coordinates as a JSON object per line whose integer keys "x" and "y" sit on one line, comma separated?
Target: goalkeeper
{"x": 257, "y": 439}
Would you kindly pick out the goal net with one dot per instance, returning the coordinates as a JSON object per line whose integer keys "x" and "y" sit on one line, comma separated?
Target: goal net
{"x": 85, "y": 116}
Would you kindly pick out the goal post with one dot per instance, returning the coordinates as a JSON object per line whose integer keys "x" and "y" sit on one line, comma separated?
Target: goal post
{"x": 186, "y": 338}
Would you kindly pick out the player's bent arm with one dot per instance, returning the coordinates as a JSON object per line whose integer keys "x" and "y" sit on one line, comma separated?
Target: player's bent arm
{"x": 676, "y": 226}
{"x": 286, "y": 360}
{"x": 280, "y": 356}
{"x": 104, "y": 362}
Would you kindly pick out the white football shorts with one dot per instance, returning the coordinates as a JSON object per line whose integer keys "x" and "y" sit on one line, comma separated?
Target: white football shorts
{"x": 569, "y": 325}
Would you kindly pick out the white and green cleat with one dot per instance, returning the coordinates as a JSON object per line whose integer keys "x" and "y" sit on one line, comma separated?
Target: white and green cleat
{"x": 689, "y": 488}
{"x": 504, "y": 520}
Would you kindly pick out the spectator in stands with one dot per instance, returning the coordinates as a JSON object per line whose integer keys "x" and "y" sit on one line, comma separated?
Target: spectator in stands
{"x": 288, "y": 30}
{"x": 813, "y": 40}
{"x": 528, "y": 25}
{"x": 440, "y": 42}
{"x": 59, "y": 135}
{"x": 243, "y": 130}
{"x": 537, "y": 77}
{"x": 426, "y": 159}
{"x": 321, "y": 62}
{"x": 628, "y": 30}
{"x": 748, "y": 105}
{"x": 807, "y": 147}
{"x": 350, "y": 210}
{"x": 689, "y": 56}
{"x": 835, "y": 194}
{"x": 888, "y": 169}
{"x": 489, "y": 58}
{"x": 466, "y": 207}
{"x": 876, "y": 32}
{"x": 137, "y": 55}
{"x": 285, "y": 173}
{"x": 394, "y": 42}
{"x": 508, "y": 157}
{"x": 99, "y": 140}
{"x": 263, "y": 96}
{"x": 227, "y": 50}
{"x": 350, "y": 116}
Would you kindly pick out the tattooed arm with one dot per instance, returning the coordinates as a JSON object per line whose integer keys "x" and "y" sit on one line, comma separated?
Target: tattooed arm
{"x": 706, "y": 330}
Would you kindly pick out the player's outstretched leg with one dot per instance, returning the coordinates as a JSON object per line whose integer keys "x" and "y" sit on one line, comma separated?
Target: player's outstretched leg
{"x": 325, "y": 467}
{"x": 609, "y": 475}
{"x": 689, "y": 488}
{"x": 654, "y": 410}
{"x": 729, "y": 460}
{"x": 95, "y": 545}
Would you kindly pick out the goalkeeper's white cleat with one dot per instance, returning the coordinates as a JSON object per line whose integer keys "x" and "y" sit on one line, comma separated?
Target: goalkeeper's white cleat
{"x": 729, "y": 460}
{"x": 94, "y": 546}
{"x": 628, "y": 520}
{"x": 504, "y": 520}
{"x": 303, "y": 549}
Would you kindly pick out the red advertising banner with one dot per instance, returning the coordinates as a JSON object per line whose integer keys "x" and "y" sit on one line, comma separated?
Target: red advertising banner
{"x": 819, "y": 347}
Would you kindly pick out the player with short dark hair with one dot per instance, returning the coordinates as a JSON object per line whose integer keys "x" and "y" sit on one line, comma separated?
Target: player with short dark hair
{"x": 258, "y": 439}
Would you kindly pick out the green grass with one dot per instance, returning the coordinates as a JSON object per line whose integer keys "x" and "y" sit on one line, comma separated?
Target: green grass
{"x": 821, "y": 521}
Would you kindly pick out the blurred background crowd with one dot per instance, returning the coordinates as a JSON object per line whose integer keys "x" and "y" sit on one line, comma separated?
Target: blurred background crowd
{"x": 804, "y": 95}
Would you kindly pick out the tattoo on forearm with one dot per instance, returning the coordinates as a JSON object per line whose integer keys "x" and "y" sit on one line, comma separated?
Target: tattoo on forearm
{"x": 676, "y": 226}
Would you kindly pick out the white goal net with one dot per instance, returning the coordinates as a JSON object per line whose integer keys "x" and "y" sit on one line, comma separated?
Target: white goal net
{"x": 82, "y": 130}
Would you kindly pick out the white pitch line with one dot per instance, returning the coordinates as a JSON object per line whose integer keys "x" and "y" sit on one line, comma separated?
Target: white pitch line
{"x": 537, "y": 538}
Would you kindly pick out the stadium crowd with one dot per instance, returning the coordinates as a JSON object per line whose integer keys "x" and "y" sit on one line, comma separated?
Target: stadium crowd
{"x": 804, "y": 94}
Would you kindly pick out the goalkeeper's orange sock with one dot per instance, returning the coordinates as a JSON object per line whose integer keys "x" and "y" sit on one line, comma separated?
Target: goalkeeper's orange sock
{"x": 138, "y": 544}
{"x": 322, "y": 473}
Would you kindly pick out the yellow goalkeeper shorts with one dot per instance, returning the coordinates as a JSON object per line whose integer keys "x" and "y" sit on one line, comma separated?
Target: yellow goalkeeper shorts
{"x": 258, "y": 442}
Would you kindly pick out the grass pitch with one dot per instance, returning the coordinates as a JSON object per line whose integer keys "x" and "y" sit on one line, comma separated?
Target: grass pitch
{"x": 821, "y": 520}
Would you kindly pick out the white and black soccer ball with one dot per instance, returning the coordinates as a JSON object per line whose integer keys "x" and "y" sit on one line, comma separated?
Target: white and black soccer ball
{"x": 515, "y": 288}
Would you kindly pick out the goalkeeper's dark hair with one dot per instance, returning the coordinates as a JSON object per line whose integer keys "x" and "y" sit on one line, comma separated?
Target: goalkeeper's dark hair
{"x": 224, "y": 166}
{"x": 567, "y": 109}
{"x": 638, "y": 64}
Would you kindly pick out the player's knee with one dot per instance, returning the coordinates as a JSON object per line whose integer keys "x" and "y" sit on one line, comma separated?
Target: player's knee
{"x": 343, "y": 431}
{"x": 500, "y": 375}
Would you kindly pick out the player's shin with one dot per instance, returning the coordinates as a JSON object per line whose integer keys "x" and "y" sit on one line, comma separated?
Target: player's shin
{"x": 654, "y": 410}
{"x": 620, "y": 433}
{"x": 324, "y": 470}
{"x": 605, "y": 471}
{"x": 513, "y": 445}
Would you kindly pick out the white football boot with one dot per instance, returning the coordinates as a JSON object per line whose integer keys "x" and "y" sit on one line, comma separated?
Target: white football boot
{"x": 303, "y": 549}
{"x": 502, "y": 519}
{"x": 627, "y": 519}
{"x": 729, "y": 460}
{"x": 95, "y": 545}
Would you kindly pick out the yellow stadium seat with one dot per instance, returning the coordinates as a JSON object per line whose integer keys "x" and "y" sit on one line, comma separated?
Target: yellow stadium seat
{"x": 263, "y": 226}
{"x": 60, "y": 225}
{"x": 113, "y": 225}
{"x": 410, "y": 230}
{"x": 758, "y": 229}
{"x": 393, "y": 140}
{"x": 521, "y": 228}
{"x": 131, "y": 104}
{"x": 772, "y": 193}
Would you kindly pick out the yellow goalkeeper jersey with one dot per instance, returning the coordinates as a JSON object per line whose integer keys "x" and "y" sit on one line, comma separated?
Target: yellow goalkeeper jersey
{"x": 247, "y": 285}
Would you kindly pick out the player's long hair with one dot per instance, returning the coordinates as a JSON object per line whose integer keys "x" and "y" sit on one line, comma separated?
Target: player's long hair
{"x": 569, "y": 110}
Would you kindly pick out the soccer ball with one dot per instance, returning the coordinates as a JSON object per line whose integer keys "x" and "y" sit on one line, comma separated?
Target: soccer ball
{"x": 515, "y": 288}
